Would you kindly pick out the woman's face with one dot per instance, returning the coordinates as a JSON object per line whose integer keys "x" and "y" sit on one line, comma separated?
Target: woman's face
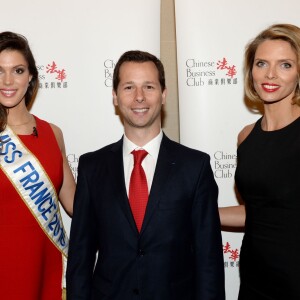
{"x": 275, "y": 71}
{"x": 14, "y": 78}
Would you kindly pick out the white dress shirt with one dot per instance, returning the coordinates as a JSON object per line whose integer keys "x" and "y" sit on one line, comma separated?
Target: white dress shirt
{"x": 149, "y": 162}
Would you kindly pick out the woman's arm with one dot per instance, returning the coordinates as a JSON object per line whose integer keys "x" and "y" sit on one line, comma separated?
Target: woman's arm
{"x": 67, "y": 191}
{"x": 232, "y": 216}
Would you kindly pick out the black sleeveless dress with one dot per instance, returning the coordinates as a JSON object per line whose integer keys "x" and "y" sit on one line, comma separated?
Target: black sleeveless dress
{"x": 268, "y": 179}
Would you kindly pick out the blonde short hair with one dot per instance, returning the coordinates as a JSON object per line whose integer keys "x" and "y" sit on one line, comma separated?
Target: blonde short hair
{"x": 286, "y": 32}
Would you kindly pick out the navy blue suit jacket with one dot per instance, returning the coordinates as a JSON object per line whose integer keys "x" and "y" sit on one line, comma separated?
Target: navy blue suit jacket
{"x": 178, "y": 253}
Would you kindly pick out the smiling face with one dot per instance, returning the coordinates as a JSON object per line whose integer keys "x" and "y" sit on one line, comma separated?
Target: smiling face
{"x": 275, "y": 72}
{"x": 139, "y": 96}
{"x": 14, "y": 78}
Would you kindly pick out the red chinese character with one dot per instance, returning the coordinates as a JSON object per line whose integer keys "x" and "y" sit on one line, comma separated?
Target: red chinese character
{"x": 222, "y": 64}
{"x": 231, "y": 71}
{"x": 61, "y": 75}
{"x": 226, "y": 248}
{"x": 234, "y": 254}
{"x": 51, "y": 68}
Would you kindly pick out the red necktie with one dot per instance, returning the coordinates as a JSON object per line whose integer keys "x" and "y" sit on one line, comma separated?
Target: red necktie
{"x": 138, "y": 189}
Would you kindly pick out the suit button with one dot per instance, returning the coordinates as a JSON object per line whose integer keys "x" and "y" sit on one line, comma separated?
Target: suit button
{"x": 136, "y": 291}
{"x": 141, "y": 252}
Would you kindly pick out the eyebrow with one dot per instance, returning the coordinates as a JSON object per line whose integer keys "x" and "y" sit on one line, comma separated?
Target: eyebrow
{"x": 127, "y": 82}
{"x": 151, "y": 82}
{"x": 17, "y": 66}
{"x": 146, "y": 82}
{"x": 20, "y": 65}
{"x": 280, "y": 60}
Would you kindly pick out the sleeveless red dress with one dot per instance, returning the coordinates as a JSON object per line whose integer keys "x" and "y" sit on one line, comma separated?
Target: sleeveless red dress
{"x": 31, "y": 267}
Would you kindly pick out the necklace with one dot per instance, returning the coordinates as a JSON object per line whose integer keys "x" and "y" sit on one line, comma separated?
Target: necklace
{"x": 15, "y": 125}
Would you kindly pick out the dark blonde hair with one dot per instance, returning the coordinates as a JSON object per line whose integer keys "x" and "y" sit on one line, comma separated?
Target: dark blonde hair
{"x": 15, "y": 42}
{"x": 285, "y": 32}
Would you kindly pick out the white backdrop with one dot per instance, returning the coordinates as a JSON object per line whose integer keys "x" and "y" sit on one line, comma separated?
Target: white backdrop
{"x": 76, "y": 44}
{"x": 211, "y": 37}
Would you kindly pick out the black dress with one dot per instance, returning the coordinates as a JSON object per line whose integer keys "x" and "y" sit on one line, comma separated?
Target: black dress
{"x": 268, "y": 179}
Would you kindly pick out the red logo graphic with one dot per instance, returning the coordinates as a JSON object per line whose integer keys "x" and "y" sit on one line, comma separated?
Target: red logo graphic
{"x": 52, "y": 69}
{"x": 233, "y": 254}
{"x": 223, "y": 65}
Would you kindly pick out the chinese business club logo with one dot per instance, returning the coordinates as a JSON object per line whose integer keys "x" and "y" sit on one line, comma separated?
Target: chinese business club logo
{"x": 231, "y": 256}
{"x": 224, "y": 164}
{"x": 52, "y": 76}
{"x": 210, "y": 73}
{"x": 109, "y": 66}
{"x": 73, "y": 160}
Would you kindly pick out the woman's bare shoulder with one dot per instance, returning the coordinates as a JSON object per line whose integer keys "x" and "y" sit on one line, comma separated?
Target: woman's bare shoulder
{"x": 59, "y": 136}
{"x": 245, "y": 132}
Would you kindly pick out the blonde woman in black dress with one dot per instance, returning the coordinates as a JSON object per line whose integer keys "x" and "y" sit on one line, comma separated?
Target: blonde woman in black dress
{"x": 268, "y": 169}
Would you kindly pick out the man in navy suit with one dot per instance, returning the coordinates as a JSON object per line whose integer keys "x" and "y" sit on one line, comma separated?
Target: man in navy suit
{"x": 176, "y": 251}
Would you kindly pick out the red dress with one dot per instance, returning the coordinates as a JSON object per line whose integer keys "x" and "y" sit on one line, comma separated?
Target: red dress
{"x": 31, "y": 267}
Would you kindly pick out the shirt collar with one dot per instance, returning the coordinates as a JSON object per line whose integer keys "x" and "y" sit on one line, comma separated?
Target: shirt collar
{"x": 152, "y": 147}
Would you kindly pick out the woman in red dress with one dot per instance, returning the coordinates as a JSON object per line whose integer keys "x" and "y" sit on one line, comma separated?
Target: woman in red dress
{"x": 33, "y": 245}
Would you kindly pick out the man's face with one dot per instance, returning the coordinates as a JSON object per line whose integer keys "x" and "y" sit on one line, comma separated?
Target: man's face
{"x": 139, "y": 96}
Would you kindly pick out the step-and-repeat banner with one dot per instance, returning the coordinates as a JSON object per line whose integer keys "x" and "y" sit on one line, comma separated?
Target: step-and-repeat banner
{"x": 76, "y": 45}
{"x": 211, "y": 38}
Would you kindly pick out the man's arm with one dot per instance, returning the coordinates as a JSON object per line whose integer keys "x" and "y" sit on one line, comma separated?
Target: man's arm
{"x": 82, "y": 248}
{"x": 207, "y": 237}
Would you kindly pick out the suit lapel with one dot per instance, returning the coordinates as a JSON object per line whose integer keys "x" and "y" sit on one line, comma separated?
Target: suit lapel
{"x": 164, "y": 167}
